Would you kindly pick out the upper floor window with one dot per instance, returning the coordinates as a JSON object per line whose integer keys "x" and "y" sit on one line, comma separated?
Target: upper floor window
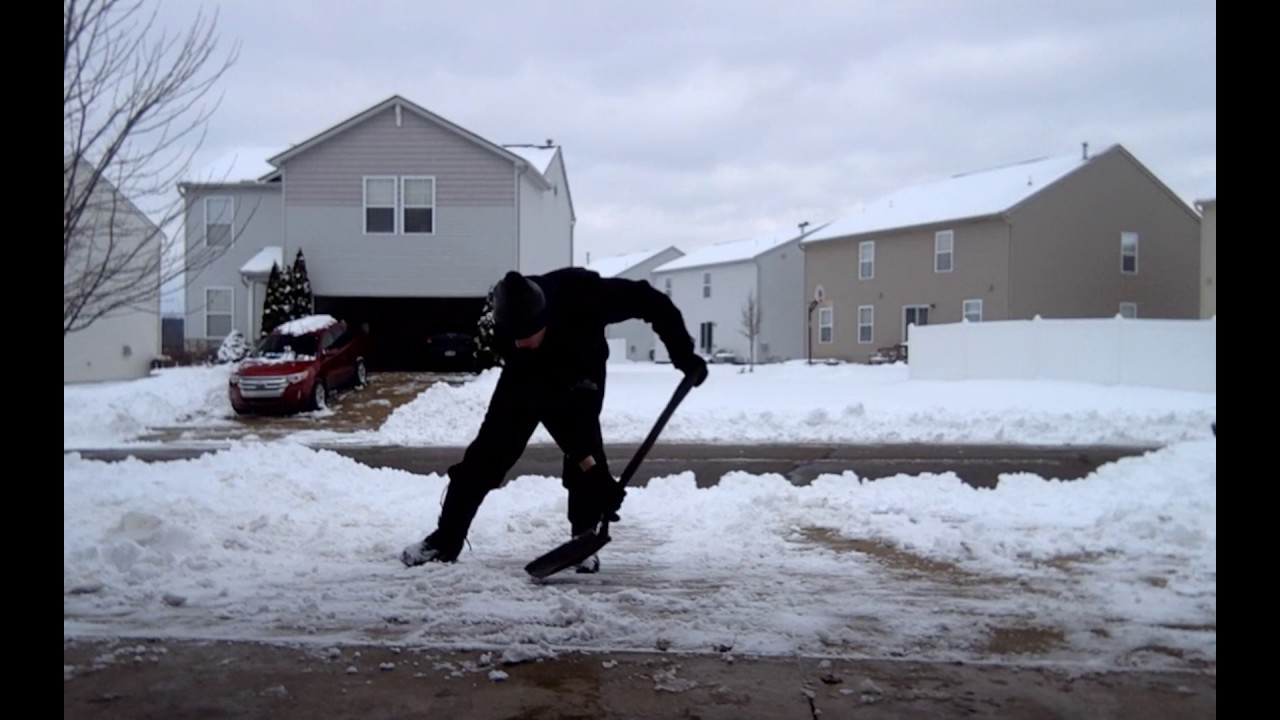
{"x": 972, "y": 310}
{"x": 944, "y": 242}
{"x": 706, "y": 285}
{"x": 219, "y": 214}
{"x": 866, "y": 259}
{"x": 417, "y": 205}
{"x": 1129, "y": 253}
{"x": 380, "y": 205}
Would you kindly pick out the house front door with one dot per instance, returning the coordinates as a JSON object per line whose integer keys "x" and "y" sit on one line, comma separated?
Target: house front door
{"x": 913, "y": 315}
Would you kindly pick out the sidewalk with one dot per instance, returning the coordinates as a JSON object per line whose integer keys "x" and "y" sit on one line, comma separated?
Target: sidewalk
{"x": 135, "y": 679}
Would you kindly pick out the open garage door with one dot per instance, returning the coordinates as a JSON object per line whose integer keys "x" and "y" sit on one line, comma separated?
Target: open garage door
{"x": 399, "y": 328}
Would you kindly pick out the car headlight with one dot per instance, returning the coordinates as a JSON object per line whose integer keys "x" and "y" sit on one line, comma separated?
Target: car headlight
{"x": 235, "y": 379}
{"x": 296, "y": 377}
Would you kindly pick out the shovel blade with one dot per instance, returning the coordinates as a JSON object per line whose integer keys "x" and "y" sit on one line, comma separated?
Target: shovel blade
{"x": 567, "y": 555}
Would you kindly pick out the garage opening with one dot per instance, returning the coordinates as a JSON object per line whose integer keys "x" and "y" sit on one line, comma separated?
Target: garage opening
{"x": 400, "y": 328}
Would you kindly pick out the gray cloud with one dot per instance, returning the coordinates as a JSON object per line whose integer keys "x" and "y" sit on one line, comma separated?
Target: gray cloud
{"x": 704, "y": 121}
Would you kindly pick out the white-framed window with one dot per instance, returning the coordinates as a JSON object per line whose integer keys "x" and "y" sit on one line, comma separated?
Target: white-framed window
{"x": 380, "y": 205}
{"x": 219, "y": 308}
{"x": 944, "y": 245}
{"x": 826, "y": 325}
{"x": 913, "y": 315}
{"x": 706, "y": 337}
{"x": 219, "y": 218}
{"x": 866, "y": 323}
{"x": 866, "y": 259}
{"x": 1129, "y": 253}
{"x": 1128, "y": 309}
{"x": 666, "y": 286}
{"x": 706, "y": 285}
{"x": 417, "y": 205}
{"x": 972, "y": 311}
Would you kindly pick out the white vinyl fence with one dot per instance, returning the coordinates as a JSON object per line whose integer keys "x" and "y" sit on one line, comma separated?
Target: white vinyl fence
{"x": 1180, "y": 354}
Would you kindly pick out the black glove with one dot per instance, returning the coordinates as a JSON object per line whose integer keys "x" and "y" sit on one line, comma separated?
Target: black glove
{"x": 606, "y": 493}
{"x": 693, "y": 366}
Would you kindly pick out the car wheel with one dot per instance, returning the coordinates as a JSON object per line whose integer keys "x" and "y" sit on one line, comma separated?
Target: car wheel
{"x": 362, "y": 376}
{"x": 319, "y": 396}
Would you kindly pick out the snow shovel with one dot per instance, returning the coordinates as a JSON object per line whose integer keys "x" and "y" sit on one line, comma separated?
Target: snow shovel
{"x": 587, "y": 544}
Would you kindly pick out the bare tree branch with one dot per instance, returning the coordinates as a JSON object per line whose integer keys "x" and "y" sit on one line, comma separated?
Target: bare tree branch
{"x": 752, "y": 317}
{"x": 134, "y": 115}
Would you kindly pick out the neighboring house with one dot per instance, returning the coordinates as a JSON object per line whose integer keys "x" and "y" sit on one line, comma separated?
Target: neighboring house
{"x": 406, "y": 221}
{"x": 713, "y": 285}
{"x": 1208, "y": 256}
{"x": 636, "y": 335}
{"x": 1073, "y": 236}
{"x": 122, "y": 344}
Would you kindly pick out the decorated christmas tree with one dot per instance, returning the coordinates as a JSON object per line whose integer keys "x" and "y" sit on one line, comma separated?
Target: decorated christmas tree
{"x": 304, "y": 302}
{"x": 485, "y": 353}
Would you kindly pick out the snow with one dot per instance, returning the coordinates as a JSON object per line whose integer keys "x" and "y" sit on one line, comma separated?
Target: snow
{"x": 616, "y": 265}
{"x": 726, "y": 252}
{"x": 237, "y": 165}
{"x": 962, "y": 196}
{"x": 289, "y": 542}
{"x": 304, "y": 325}
{"x": 539, "y": 157}
{"x": 261, "y": 263}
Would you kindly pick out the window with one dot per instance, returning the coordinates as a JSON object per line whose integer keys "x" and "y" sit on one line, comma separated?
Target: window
{"x": 866, "y": 259}
{"x": 219, "y": 304}
{"x": 706, "y": 285}
{"x": 666, "y": 284}
{"x": 944, "y": 243}
{"x": 219, "y": 213}
{"x": 972, "y": 311}
{"x": 379, "y": 205}
{"x": 913, "y": 315}
{"x": 1129, "y": 253}
{"x": 706, "y": 339}
{"x": 866, "y": 323}
{"x": 417, "y": 205}
{"x": 826, "y": 325}
{"x": 1128, "y": 310}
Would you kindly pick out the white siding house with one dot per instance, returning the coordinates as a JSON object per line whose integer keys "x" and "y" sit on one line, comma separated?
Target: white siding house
{"x": 121, "y": 344}
{"x": 635, "y": 335}
{"x": 713, "y": 285}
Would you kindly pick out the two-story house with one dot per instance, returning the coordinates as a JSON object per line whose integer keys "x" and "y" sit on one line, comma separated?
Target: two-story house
{"x": 635, "y": 335}
{"x": 114, "y": 256}
{"x": 714, "y": 287}
{"x": 406, "y": 221}
{"x": 1072, "y": 236}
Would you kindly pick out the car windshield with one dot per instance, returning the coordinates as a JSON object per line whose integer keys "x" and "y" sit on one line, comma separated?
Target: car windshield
{"x": 279, "y": 345}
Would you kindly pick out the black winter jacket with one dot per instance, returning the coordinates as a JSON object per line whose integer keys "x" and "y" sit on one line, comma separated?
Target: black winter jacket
{"x": 580, "y": 304}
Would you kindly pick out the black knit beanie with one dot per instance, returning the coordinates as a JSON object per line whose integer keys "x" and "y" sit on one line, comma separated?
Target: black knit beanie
{"x": 519, "y": 307}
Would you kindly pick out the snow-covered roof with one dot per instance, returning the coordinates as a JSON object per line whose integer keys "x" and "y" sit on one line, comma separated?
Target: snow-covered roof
{"x": 539, "y": 157}
{"x": 243, "y": 164}
{"x": 261, "y": 263}
{"x": 304, "y": 325}
{"x": 727, "y": 252}
{"x": 968, "y": 195}
{"x": 615, "y": 265}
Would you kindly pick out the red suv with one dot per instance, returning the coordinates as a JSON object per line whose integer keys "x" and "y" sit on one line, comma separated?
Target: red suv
{"x": 298, "y": 365}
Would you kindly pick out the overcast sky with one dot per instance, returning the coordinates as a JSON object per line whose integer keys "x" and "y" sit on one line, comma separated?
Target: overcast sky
{"x": 704, "y": 121}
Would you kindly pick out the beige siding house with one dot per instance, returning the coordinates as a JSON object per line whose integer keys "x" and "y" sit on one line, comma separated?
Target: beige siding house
{"x": 1208, "y": 256}
{"x": 1073, "y": 236}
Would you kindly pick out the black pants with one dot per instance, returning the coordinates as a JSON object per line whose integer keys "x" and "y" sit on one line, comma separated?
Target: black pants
{"x": 521, "y": 401}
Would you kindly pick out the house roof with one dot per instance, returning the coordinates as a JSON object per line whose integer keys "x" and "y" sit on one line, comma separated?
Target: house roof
{"x": 236, "y": 165}
{"x": 968, "y": 195}
{"x": 729, "y": 252}
{"x": 539, "y": 157}
{"x": 260, "y": 264}
{"x": 615, "y": 265}
{"x": 398, "y": 101}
